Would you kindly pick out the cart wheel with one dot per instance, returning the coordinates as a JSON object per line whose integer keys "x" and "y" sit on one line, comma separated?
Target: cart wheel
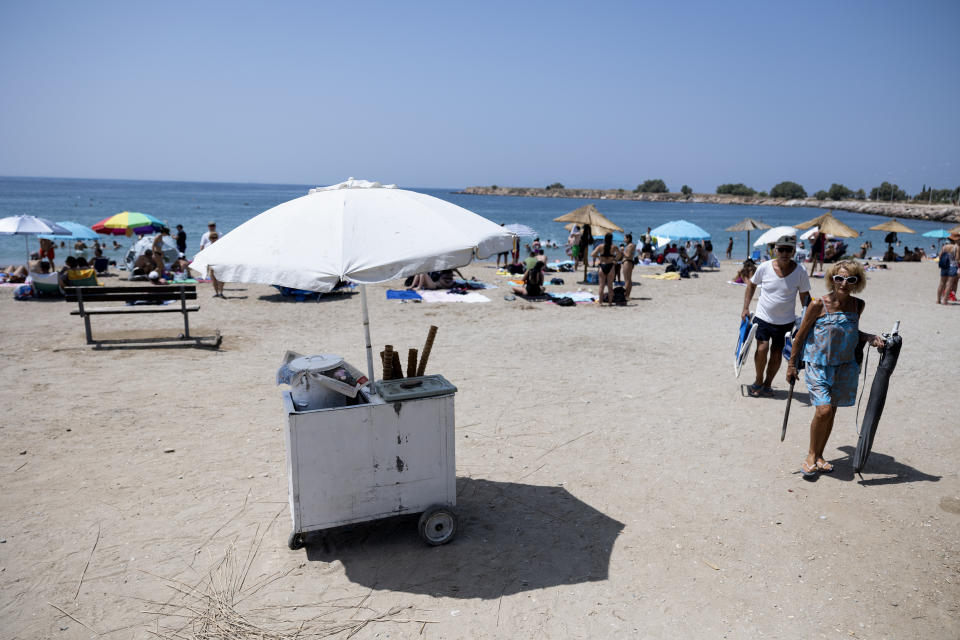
{"x": 295, "y": 541}
{"x": 437, "y": 525}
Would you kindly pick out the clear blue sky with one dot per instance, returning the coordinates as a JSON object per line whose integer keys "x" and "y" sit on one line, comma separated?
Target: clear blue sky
{"x": 593, "y": 94}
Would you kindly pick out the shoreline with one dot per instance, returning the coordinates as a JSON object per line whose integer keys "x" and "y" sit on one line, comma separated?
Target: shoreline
{"x": 913, "y": 211}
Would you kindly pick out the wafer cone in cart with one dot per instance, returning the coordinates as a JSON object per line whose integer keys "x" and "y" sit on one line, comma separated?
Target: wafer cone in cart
{"x": 397, "y": 367}
{"x": 431, "y": 334}
{"x": 411, "y": 363}
{"x": 387, "y": 357}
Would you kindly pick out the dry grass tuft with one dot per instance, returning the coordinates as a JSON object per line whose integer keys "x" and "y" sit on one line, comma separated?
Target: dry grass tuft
{"x": 218, "y": 607}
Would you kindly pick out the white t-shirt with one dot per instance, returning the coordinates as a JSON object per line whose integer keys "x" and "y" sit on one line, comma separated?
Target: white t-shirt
{"x": 778, "y": 296}
{"x": 204, "y": 240}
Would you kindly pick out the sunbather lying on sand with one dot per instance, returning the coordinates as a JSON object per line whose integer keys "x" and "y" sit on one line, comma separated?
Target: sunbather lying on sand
{"x": 434, "y": 279}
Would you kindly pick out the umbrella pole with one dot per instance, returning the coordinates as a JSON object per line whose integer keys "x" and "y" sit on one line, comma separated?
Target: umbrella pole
{"x": 366, "y": 335}
{"x": 26, "y": 245}
{"x": 748, "y": 244}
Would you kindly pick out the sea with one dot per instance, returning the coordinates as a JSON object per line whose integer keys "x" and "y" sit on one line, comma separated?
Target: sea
{"x": 194, "y": 204}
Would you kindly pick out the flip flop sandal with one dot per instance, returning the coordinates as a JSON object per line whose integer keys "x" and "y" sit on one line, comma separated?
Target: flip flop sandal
{"x": 766, "y": 392}
{"x": 824, "y": 467}
{"x": 754, "y": 390}
{"x": 808, "y": 471}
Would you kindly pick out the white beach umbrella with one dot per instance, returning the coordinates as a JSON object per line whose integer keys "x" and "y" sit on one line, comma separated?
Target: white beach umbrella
{"x": 358, "y": 231}
{"x": 29, "y": 226}
{"x": 520, "y": 230}
{"x": 806, "y": 235}
{"x": 771, "y": 235}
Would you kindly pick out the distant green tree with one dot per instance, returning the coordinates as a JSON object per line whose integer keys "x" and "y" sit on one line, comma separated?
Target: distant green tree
{"x": 762, "y": 194}
{"x": 738, "y": 189}
{"x": 556, "y": 185}
{"x": 839, "y": 192}
{"x": 493, "y": 186}
{"x": 821, "y": 195}
{"x": 860, "y": 194}
{"x": 887, "y": 191}
{"x": 937, "y": 195}
{"x": 652, "y": 186}
{"x": 685, "y": 190}
{"x": 621, "y": 191}
{"x": 788, "y": 190}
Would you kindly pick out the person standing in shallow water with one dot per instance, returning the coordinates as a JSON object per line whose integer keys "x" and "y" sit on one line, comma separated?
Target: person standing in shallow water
{"x": 780, "y": 281}
{"x": 829, "y": 335}
{"x": 730, "y": 248}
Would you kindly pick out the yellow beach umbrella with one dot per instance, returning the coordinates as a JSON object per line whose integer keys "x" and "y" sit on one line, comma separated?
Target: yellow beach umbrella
{"x": 892, "y": 225}
{"x": 830, "y": 226}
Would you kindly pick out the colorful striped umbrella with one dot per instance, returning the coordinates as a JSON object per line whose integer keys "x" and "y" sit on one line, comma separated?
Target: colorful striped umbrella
{"x": 128, "y": 223}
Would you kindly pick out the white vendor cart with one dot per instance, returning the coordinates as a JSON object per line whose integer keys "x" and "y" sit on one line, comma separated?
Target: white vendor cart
{"x": 372, "y": 456}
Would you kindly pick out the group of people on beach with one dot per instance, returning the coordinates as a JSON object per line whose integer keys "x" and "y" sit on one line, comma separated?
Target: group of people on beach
{"x": 151, "y": 263}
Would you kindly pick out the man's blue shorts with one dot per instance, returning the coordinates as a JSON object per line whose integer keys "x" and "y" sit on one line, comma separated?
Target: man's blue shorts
{"x": 832, "y": 384}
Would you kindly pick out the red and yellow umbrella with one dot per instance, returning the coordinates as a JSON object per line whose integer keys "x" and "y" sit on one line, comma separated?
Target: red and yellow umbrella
{"x": 128, "y": 223}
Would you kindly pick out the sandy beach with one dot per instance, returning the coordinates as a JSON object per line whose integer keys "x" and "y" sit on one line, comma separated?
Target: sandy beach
{"x": 613, "y": 479}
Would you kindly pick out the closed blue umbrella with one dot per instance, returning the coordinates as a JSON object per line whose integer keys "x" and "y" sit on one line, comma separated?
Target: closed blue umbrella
{"x": 680, "y": 230}
{"x": 77, "y": 232}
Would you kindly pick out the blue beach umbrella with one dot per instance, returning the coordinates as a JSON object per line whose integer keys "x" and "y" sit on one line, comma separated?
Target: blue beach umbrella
{"x": 77, "y": 232}
{"x": 937, "y": 233}
{"x": 680, "y": 230}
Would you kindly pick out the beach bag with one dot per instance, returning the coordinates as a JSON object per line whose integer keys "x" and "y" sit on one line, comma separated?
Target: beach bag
{"x": 23, "y": 292}
{"x": 564, "y": 301}
{"x": 620, "y": 296}
{"x": 592, "y": 278}
{"x": 556, "y": 280}
{"x": 515, "y": 269}
{"x": 670, "y": 268}
{"x": 944, "y": 262}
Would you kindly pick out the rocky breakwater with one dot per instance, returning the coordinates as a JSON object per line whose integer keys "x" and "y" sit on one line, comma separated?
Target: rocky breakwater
{"x": 906, "y": 210}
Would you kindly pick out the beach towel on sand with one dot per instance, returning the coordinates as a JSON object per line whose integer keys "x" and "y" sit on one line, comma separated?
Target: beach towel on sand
{"x": 673, "y": 275}
{"x": 403, "y": 294}
{"x": 580, "y": 297}
{"x": 442, "y": 295}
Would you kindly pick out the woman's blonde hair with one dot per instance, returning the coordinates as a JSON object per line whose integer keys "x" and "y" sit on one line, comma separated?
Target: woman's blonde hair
{"x": 853, "y": 268}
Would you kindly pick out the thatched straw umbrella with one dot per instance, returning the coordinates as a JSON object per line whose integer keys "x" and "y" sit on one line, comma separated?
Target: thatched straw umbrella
{"x": 830, "y": 226}
{"x": 892, "y": 225}
{"x": 588, "y": 214}
{"x": 748, "y": 225}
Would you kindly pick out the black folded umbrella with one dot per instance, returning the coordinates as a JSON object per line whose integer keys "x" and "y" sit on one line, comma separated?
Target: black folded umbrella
{"x": 878, "y": 397}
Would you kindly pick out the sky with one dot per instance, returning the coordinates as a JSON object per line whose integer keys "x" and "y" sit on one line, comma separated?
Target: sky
{"x": 447, "y": 94}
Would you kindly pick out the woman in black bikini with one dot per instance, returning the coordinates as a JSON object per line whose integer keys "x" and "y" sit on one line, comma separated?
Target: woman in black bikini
{"x": 608, "y": 255}
{"x": 532, "y": 281}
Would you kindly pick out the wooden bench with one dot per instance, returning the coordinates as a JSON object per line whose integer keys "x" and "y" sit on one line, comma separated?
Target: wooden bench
{"x": 151, "y": 299}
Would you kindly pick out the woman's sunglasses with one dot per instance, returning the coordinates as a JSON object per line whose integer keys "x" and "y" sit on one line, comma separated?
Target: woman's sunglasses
{"x": 847, "y": 279}
{"x": 785, "y": 249}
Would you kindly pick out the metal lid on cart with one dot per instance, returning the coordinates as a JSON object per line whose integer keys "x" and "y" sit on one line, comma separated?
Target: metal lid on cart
{"x": 316, "y": 363}
{"x": 413, "y": 388}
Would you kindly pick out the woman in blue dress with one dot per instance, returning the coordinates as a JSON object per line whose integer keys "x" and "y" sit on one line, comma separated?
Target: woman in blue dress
{"x": 829, "y": 335}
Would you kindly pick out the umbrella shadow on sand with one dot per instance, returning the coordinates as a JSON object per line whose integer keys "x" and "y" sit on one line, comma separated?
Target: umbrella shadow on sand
{"x": 878, "y": 464}
{"x": 512, "y": 538}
